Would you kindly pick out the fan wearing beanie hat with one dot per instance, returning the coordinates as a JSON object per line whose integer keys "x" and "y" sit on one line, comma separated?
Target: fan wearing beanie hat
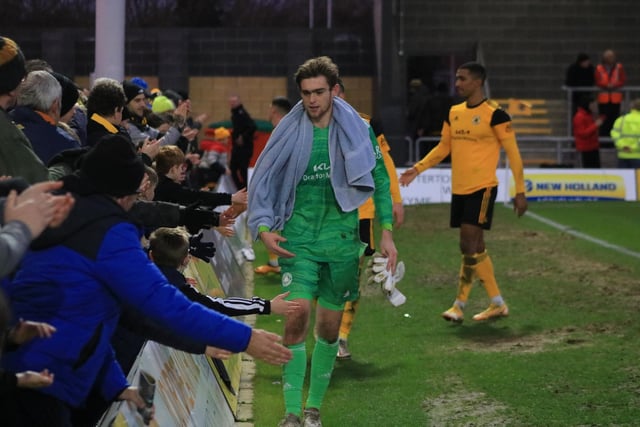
{"x": 162, "y": 104}
{"x": 139, "y": 117}
{"x": 12, "y": 68}
{"x": 112, "y": 167}
{"x": 69, "y": 94}
{"x": 136, "y": 101}
{"x": 131, "y": 90}
{"x": 140, "y": 82}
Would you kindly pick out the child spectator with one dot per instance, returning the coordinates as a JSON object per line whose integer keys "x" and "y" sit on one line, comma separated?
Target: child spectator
{"x": 214, "y": 162}
{"x": 223, "y": 222}
{"x": 169, "y": 250}
{"x": 171, "y": 167}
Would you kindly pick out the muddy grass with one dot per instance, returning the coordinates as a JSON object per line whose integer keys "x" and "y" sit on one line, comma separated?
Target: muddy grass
{"x": 463, "y": 407}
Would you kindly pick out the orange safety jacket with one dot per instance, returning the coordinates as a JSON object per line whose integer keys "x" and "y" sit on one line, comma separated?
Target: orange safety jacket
{"x": 616, "y": 78}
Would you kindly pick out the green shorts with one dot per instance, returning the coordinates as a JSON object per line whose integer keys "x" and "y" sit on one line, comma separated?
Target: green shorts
{"x": 333, "y": 283}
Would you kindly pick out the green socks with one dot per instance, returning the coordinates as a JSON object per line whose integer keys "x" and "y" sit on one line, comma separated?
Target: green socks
{"x": 293, "y": 379}
{"x": 324, "y": 357}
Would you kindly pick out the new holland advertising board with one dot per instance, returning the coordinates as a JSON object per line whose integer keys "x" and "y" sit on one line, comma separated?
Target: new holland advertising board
{"x": 578, "y": 185}
{"x": 434, "y": 185}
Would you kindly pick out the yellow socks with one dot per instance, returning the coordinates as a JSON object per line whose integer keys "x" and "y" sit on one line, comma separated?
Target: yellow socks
{"x": 484, "y": 271}
{"x": 273, "y": 259}
{"x": 465, "y": 280}
{"x": 480, "y": 266}
{"x": 348, "y": 315}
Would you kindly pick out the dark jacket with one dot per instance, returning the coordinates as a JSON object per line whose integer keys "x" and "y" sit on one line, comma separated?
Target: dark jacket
{"x": 97, "y": 127}
{"x": 17, "y": 158}
{"x": 580, "y": 76}
{"x": 232, "y": 306}
{"x": 77, "y": 277}
{"x": 170, "y": 191}
{"x": 245, "y": 126}
{"x": 46, "y": 138}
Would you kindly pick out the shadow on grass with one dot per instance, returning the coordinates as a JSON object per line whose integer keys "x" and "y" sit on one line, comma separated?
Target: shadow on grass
{"x": 495, "y": 331}
{"x": 348, "y": 371}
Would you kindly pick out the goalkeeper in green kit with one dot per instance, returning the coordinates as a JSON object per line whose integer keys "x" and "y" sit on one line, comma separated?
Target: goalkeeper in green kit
{"x": 320, "y": 164}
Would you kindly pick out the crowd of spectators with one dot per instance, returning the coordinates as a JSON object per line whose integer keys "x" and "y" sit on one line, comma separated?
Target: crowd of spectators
{"x": 86, "y": 179}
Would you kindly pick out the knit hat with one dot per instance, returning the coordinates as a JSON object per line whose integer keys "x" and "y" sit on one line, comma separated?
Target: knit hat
{"x": 69, "y": 92}
{"x": 131, "y": 90}
{"x": 12, "y": 68}
{"x": 221, "y": 133}
{"x": 140, "y": 82}
{"x": 112, "y": 167}
{"x": 162, "y": 104}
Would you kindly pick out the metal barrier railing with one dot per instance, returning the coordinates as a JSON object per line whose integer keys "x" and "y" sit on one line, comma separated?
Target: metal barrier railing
{"x": 559, "y": 149}
{"x": 626, "y": 90}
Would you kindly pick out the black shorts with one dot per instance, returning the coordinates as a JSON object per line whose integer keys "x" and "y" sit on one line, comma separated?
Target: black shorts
{"x": 475, "y": 208}
{"x": 366, "y": 236}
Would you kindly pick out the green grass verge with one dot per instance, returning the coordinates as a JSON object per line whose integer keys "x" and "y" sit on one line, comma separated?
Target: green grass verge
{"x": 566, "y": 356}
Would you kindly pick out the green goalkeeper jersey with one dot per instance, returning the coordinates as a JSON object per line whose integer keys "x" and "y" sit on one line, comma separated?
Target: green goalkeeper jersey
{"x": 318, "y": 229}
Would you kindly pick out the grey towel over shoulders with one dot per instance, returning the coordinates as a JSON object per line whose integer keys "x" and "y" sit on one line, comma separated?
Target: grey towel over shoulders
{"x": 286, "y": 156}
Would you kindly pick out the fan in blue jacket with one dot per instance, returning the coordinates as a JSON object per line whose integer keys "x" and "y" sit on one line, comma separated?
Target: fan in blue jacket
{"x": 77, "y": 277}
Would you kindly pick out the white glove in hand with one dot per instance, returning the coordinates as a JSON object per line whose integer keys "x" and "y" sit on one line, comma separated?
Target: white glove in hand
{"x": 377, "y": 269}
{"x": 378, "y": 273}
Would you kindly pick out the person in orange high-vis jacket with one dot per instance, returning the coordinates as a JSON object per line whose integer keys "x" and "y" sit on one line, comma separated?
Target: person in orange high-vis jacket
{"x": 609, "y": 76}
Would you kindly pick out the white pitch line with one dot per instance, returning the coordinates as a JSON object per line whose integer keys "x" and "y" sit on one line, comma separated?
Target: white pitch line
{"x": 569, "y": 230}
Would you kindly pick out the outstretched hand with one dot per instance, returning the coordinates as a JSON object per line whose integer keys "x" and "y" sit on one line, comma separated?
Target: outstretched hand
{"x": 217, "y": 353}
{"x": 203, "y": 250}
{"x": 267, "y": 347}
{"x": 408, "y": 176}
{"x": 27, "y": 330}
{"x": 279, "y": 305}
{"x": 240, "y": 197}
{"x": 32, "y": 379}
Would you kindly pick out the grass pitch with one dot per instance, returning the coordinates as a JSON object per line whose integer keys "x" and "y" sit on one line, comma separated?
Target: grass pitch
{"x": 566, "y": 356}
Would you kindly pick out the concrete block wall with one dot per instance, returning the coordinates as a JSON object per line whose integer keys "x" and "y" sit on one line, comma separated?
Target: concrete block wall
{"x": 210, "y": 95}
{"x": 527, "y": 44}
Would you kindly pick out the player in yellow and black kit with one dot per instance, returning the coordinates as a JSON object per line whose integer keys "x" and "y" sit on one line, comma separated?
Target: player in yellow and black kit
{"x": 366, "y": 214}
{"x": 473, "y": 134}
